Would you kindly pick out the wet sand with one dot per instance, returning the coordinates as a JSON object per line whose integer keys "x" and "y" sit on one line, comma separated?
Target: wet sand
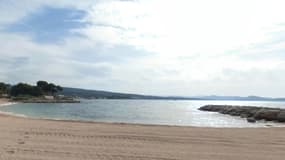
{"x": 30, "y": 139}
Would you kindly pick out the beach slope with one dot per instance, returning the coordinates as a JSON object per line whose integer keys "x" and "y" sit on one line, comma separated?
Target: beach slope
{"x": 28, "y": 139}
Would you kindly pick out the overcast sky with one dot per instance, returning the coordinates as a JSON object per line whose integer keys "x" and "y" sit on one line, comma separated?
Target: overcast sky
{"x": 159, "y": 47}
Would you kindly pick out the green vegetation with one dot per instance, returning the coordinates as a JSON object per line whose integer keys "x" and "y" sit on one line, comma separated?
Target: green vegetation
{"x": 26, "y": 90}
{"x": 4, "y": 88}
{"x": 48, "y": 88}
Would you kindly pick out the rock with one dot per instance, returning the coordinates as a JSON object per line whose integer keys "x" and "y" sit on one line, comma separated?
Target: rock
{"x": 210, "y": 108}
{"x": 266, "y": 114}
{"x": 281, "y": 116}
{"x": 251, "y": 120}
{"x": 244, "y": 115}
{"x": 250, "y": 112}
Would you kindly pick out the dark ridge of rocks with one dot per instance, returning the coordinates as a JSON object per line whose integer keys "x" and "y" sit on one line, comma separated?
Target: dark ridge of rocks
{"x": 251, "y": 120}
{"x": 252, "y": 114}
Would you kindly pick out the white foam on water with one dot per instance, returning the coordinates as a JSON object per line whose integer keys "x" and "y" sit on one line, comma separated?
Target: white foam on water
{"x": 13, "y": 114}
{"x": 8, "y": 104}
{"x": 10, "y": 113}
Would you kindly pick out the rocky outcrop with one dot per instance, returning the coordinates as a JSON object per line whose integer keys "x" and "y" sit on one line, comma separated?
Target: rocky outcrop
{"x": 267, "y": 114}
{"x": 251, "y": 120}
{"x": 251, "y": 113}
{"x": 50, "y": 101}
{"x": 281, "y": 116}
{"x": 45, "y": 99}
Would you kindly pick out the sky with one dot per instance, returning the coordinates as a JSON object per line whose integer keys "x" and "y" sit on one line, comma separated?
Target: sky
{"x": 157, "y": 47}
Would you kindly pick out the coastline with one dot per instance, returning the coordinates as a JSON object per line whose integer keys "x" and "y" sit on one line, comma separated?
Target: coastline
{"x": 31, "y": 138}
{"x": 4, "y": 101}
{"x": 26, "y": 138}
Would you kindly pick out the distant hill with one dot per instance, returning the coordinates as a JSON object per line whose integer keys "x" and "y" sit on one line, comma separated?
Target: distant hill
{"x": 92, "y": 94}
{"x": 97, "y": 94}
{"x": 239, "y": 98}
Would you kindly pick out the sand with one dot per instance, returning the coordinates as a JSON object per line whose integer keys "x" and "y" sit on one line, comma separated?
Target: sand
{"x": 31, "y": 139}
{"x": 4, "y": 101}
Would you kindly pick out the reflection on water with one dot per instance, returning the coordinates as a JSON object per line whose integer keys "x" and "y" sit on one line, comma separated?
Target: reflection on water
{"x": 167, "y": 112}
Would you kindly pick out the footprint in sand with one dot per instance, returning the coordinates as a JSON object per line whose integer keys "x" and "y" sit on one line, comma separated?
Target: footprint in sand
{"x": 10, "y": 152}
{"x": 21, "y": 141}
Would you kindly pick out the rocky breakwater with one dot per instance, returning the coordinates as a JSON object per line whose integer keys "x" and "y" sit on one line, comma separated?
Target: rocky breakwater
{"x": 251, "y": 113}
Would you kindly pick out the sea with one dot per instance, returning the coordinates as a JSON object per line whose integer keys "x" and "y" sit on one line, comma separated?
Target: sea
{"x": 157, "y": 112}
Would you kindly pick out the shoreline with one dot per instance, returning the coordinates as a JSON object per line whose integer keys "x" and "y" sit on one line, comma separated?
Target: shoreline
{"x": 20, "y": 116}
{"x": 35, "y": 138}
{"x": 4, "y": 101}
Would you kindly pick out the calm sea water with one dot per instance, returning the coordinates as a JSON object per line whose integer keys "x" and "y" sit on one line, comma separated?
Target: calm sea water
{"x": 168, "y": 112}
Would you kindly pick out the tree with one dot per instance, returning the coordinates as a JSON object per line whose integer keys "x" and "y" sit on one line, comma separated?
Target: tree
{"x": 43, "y": 85}
{"x": 4, "y": 88}
{"x": 48, "y": 88}
{"x": 42, "y": 88}
{"x": 52, "y": 88}
{"x": 25, "y": 89}
{"x": 59, "y": 88}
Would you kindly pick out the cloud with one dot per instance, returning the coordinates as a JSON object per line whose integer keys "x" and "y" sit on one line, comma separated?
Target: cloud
{"x": 157, "y": 47}
{"x": 184, "y": 27}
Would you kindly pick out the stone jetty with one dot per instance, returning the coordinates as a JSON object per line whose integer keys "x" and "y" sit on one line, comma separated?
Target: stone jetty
{"x": 251, "y": 113}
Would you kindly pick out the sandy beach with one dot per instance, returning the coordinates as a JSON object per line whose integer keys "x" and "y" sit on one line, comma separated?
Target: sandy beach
{"x": 4, "y": 101}
{"x": 30, "y": 139}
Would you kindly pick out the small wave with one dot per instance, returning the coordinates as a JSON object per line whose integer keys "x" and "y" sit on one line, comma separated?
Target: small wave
{"x": 8, "y": 104}
{"x": 13, "y": 114}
